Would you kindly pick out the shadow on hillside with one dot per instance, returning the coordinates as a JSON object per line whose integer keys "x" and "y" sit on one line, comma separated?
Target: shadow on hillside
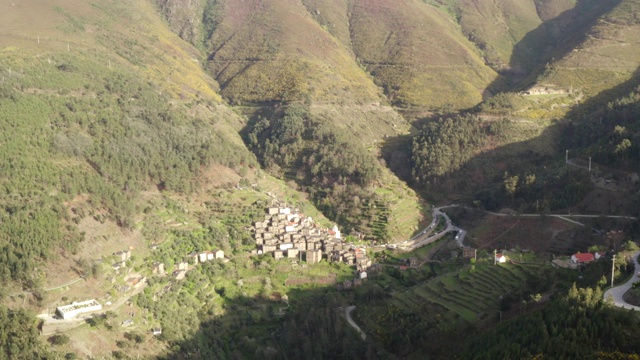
{"x": 482, "y": 177}
{"x": 597, "y": 104}
{"x": 551, "y": 40}
{"x": 312, "y": 326}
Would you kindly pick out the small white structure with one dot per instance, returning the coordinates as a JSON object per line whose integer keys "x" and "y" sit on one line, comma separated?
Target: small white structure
{"x": 286, "y": 246}
{"x": 336, "y": 231}
{"x": 285, "y": 211}
{"x": 218, "y": 254}
{"x": 501, "y": 258}
{"x": 76, "y": 308}
{"x": 363, "y": 275}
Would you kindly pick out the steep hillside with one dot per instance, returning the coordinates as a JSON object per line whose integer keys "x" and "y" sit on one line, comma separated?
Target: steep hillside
{"x": 88, "y": 129}
{"x": 318, "y": 51}
{"x": 496, "y": 27}
{"x": 418, "y": 54}
{"x": 264, "y": 51}
{"x": 607, "y": 56}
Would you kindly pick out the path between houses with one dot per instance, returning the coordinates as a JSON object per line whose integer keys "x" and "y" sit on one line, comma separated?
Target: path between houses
{"x": 617, "y": 293}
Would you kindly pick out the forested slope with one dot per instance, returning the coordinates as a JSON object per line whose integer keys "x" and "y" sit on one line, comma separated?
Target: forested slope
{"x": 79, "y": 121}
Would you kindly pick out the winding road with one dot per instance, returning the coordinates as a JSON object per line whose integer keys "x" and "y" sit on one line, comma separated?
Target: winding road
{"x": 347, "y": 314}
{"x": 617, "y": 293}
{"x": 425, "y": 237}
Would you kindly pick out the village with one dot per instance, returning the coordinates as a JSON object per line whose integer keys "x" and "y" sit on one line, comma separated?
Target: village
{"x": 286, "y": 233}
{"x": 283, "y": 233}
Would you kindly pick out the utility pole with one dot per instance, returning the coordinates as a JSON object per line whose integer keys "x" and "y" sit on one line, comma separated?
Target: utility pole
{"x": 613, "y": 268}
{"x": 566, "y": 156}
{"x": 475, "y": 255}
{"x": 495, "y": 254}
{"x": 589, "y": 163}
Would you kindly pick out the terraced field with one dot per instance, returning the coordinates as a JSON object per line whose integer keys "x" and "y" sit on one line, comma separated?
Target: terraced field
{"x": 469, "y": 294}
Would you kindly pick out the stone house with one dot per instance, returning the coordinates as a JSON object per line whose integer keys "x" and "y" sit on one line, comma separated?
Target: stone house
{"x": 123, "y": 255}
{"x": 292, "y": 253}
{"x": 313, "y": 256}
{"x": 158, "y": 269}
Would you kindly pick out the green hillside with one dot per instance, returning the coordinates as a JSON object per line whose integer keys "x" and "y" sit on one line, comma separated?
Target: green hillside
{"x": 166, "y": 127}
{"x": 606, "y": 55}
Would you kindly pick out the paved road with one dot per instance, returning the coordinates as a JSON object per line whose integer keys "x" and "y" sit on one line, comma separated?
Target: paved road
{"x": 347, "y": 313}
{"x": 425, "y": 237}
{"x": 618, "y": 292}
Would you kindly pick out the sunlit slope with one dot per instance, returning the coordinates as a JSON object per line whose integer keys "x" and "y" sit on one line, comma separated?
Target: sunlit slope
{"x": 274, "y": 50}
{"x": 418, "y": 54}
{"x": 497, "y": 26}
{"x": 608, "y": 55}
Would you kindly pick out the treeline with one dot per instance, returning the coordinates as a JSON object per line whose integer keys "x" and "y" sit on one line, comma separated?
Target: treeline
{"x": 19, "y": 337}
{"x": 536, "y": 192}
{"x": 333, "y": 167}
{"x": 580, "y": 325}
{"x": 441, "y": 150}
{"x": 611, "y": 133}
{"x": 444, "y": 146}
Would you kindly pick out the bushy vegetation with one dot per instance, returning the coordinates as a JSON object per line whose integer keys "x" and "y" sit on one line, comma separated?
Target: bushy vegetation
{"x": 577, "y": 325}
{"x": 87, "y": 130}
{"x": 610, "y": 134}
{"x": 444, "y": 146}
{"x": 335, "y": 169}
{"x": 19, "y": 336}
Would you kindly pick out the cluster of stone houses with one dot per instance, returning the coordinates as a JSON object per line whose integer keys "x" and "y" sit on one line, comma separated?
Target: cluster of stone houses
{"x": 286, "y": 233}
{"x": 356, "y": 256}
{"x": 290, "y": 234}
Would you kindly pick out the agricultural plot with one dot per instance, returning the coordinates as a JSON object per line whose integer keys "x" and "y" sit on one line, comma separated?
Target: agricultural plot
{"x": 469, "y": 294}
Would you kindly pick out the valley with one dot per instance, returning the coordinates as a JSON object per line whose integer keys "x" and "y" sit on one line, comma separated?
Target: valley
{"x": 283, "y": 179}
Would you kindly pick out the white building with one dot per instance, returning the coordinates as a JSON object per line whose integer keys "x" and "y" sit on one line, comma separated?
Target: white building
{"x": 286, "y": 246}
{"x": 76, "y": 308}
{"x": 336, "y": 231}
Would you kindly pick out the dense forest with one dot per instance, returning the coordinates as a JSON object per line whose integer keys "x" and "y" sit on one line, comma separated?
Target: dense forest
{"x": 336, "y": 170}
{"x": 577, "y": 325}
{"x": 19, "y": 338}
{"x": 611, "y": 133}
{"x": 445, "y": 149}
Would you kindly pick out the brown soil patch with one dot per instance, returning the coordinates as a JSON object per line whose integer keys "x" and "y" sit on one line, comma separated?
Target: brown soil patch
{"x": 217, "y": 175}
{"x": 500, "y": 232}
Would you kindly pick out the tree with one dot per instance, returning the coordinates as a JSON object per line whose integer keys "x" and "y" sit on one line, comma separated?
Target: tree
{"x": 510, "y": 185}
{"x": 59, "y": 339}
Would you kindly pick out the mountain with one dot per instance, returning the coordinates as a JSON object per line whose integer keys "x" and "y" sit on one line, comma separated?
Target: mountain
{"x": 167, "y": 127}
{"x": 607, "y": 54}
